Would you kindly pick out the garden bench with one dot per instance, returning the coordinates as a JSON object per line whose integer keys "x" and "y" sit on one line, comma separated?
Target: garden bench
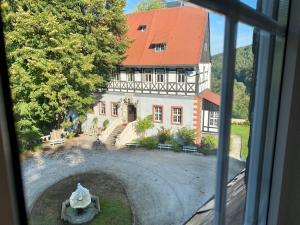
{"x": 189, "y": 148}
{"x": 164, "y": 146}
{"x": 133, "y": 144}
{"x": 57, "y": 141}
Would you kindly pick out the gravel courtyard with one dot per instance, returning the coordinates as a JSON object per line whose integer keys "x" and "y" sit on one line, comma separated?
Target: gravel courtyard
{"x": 164, "y": 188}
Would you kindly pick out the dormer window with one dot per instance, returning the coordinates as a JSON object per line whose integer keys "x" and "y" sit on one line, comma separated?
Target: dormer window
{"x": 142, "y": 28}
{"x": 160, "y": 47}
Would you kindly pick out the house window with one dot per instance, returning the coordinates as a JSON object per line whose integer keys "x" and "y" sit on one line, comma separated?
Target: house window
{"x": 160, "y": 47}
{"x": 177, "y": 115}
{"x": 147, "y": 76}
{"x": 130, "y": 75}
{"x": 160, "y": 76}
{"x": 102, "y": 108}
{"x": 142, "y": 28}
{"x": 114, "y": 109}
{"x": 181, "y": 76}
{"x": 116, "y": 77}
{"x": 157, "y": 114}
{"x": 213, "y": 118}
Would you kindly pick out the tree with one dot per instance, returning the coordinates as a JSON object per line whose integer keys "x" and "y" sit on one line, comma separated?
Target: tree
{"x": 59, "y": 53}
{"x": 241, "y": 99}
{"x": 146, "y": 5}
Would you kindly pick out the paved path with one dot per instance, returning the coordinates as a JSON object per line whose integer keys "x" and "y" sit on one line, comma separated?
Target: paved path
{"x": 236, "y": 147}
{"x": 164, "y": 188}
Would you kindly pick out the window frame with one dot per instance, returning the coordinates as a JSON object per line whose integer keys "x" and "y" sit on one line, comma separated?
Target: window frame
{"x": 181, "y": 73}
{"x": 147, "y": 73}
{"x": 160, "y": 47}
{"x": 100, "y": 108}
{"x": 160, "y": 73}
{"x": 130, "y": 75}
{"x": 214, "y": 118}
{"x": 233, "y": 9}
{"x": 172, "y": 115}
{"x": 112, "y": 109}
{"x": 154, "y": 113}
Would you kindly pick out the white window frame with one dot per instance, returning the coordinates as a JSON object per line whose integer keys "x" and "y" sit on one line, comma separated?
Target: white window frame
{"x": 213, "y": 118}
{"x": 148, "y": 76}
{"x": 158, "y": 113}
{"x": 102, "y": 108}
{"x": 130, "y": 76}
{"x": 181, "y": 76}
{"x": 177, "y": 115}
{"x": 160, "y": 47}
{"x": 257, "y": 200}
{"x": 160, "y": 76}
{"x": 116, "y": 77}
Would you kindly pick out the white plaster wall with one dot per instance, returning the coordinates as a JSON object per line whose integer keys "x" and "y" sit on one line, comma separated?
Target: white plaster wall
{"x": 144, "y": 108}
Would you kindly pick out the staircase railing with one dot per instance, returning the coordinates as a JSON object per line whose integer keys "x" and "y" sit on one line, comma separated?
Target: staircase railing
{"x": 128, "y": 135}
{"x": 105, "y": 134}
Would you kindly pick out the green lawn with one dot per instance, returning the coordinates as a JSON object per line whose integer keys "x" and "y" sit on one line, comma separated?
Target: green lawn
{"x": 243, "y": 131}
{"x": 114, "y": 211}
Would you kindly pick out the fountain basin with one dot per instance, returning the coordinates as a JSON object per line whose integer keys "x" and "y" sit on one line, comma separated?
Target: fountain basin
{"x": 80, "y": 215}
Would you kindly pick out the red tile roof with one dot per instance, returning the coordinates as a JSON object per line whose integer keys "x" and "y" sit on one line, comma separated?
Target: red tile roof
{"x": 211, "y": 96}
{"x": 181, "y": 28}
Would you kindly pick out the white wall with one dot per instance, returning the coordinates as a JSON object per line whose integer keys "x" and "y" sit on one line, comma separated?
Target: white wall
{"x": 144, "y": 108}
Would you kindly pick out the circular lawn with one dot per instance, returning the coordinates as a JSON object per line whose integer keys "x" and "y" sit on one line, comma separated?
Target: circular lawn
{"x": 114, "y": 204}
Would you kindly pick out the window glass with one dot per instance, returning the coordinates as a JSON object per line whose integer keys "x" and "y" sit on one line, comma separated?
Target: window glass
{"x": 102, "y": 108}
{"x": 181, "y": 76}
{"x": 176, "y": 115}
{"x": 158, "y": 113}
{"x": 160, "y": 75}
{"x": 114, "y": 109}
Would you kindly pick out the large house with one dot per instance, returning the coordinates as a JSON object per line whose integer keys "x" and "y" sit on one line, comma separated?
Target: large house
{"x": 166, "y": 74}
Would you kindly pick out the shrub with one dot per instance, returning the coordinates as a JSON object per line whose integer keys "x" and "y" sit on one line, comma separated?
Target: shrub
{"x": 95, "y": 121}
{"x": 209, "y": 142}
{"x": 175, "y": 146}
{"x": 70, "y": 135}
{"x": 143, "y": 125}
{"x": 186, "y": 135}
{"x": 105, "y": 123}
{"x": 164, "y": 135}
{"x": 148, "y": 142}
{"x": 66, "y": 124}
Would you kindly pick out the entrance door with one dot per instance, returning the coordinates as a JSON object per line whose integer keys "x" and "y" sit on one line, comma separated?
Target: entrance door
{"x": 131, "y": 113}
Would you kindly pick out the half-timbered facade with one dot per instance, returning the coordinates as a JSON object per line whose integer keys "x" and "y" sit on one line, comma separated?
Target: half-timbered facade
{"x": 165, "y": 73}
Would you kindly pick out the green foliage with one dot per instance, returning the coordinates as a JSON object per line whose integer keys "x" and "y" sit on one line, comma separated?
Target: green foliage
{"x": 146, "y": 5}
{"x": 240, "y": 101}
{"x": 148, "y": 142}
{"x": 186, "y": 135}
{"x": 70, "y": 135}
{"x": 82, "y": 118}
{"x": 164, "y": 135}
{"x": 209, "y": 142}
{"x": 105, "y": 123}
{"x": 244, "y": 73}
{"x": 95, "y": 121}
{"x": 58, "y": 54}
{"x": 66, "y": 124}
{"x": 143, "y": 125}
{"x": 175, "y": 146}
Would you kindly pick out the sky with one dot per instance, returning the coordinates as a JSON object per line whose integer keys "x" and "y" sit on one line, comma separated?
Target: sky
{"x": 217, "y": 23}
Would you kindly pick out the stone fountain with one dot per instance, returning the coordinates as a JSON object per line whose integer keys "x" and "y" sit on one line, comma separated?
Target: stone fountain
{"x": 81, "y": 207}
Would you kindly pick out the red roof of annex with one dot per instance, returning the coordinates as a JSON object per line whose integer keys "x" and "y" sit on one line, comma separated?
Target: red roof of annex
{"x": 181, "y": 28}
{"x": 211, "y": 96}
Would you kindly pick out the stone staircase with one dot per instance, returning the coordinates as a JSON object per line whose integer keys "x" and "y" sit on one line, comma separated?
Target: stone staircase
{"x": 111, "y": 140}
